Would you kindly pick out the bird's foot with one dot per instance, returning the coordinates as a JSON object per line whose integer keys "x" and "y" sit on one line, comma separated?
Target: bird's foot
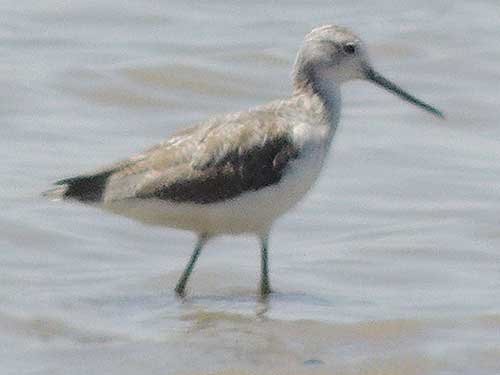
{"x": 265, "y": 290}
{"x": 180, "y": 291}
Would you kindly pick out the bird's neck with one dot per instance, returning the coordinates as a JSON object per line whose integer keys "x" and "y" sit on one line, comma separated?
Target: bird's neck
{"x": 327, "y": 91}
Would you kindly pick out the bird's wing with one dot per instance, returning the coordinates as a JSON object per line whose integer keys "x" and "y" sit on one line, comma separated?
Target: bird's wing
{"x": 217, "y": 160}
{"x": 243, "y": 152}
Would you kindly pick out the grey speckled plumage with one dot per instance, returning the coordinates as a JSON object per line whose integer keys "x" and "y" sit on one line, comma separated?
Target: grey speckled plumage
{"x": 238, "y": 173}
{"x": 216, "y": 160}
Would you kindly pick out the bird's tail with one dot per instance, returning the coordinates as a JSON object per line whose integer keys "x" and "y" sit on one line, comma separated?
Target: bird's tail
{"x": 55, "y": 194}
{"x": 85, "y": 188}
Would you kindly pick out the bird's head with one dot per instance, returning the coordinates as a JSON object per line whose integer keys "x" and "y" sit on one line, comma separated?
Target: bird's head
{"x": 334, "y": 55}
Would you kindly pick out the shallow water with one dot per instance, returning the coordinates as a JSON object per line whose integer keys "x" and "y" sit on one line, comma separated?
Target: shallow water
{"x": 390, "y": 266}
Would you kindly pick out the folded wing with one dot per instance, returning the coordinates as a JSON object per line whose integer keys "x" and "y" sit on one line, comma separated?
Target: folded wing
{"x": 215, "y": 161}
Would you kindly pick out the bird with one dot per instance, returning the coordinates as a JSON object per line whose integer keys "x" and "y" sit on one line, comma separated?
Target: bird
{"x": 237, "y": 173}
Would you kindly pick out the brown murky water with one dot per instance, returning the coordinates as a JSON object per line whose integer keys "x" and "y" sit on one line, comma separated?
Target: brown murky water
{"x": 392, "y": 264}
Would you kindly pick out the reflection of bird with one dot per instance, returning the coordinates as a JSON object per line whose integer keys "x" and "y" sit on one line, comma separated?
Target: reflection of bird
{"x": 238, "y": 173}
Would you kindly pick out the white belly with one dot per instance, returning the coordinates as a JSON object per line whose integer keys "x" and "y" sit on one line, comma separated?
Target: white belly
{"x": 253, "y": 211}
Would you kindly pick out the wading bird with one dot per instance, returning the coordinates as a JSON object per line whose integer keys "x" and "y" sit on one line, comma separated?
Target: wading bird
{"x": 238, "y": 173}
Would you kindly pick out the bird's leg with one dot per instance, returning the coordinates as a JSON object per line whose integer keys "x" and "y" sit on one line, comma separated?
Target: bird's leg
{"x": 181, "y": 284}
{"x": 265, "y": 286}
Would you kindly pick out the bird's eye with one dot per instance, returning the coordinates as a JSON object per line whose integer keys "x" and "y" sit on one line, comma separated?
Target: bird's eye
{"x": 349, "y": 48}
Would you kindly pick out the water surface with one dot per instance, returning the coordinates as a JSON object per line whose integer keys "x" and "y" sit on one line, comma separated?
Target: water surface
{"x": 391, "y": 264}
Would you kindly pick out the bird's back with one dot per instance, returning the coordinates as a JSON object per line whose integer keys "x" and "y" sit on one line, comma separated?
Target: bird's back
{"x": 216, "y": 160}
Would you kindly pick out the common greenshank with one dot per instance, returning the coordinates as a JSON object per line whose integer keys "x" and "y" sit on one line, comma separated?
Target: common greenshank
{"x": 238, "y": 173}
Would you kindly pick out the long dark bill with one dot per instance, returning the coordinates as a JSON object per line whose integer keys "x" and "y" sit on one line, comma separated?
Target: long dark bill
{"x": 373, "y": 76}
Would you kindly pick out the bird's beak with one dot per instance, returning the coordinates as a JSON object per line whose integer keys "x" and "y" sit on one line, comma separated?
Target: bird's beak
{"x": 375, "y": 77}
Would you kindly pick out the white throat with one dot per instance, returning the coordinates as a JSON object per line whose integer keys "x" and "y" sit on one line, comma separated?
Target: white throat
{"x": 328, "y": 88}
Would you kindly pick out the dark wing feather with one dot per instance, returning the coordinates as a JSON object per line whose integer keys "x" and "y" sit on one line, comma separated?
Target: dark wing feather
{"x": 85, "y": 188}
{"x": 220, "y": 159}
{"x": 236, "y": 173}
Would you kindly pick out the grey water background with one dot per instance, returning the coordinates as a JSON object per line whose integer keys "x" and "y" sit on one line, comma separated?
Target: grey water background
{"x": 391, "y": 264}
